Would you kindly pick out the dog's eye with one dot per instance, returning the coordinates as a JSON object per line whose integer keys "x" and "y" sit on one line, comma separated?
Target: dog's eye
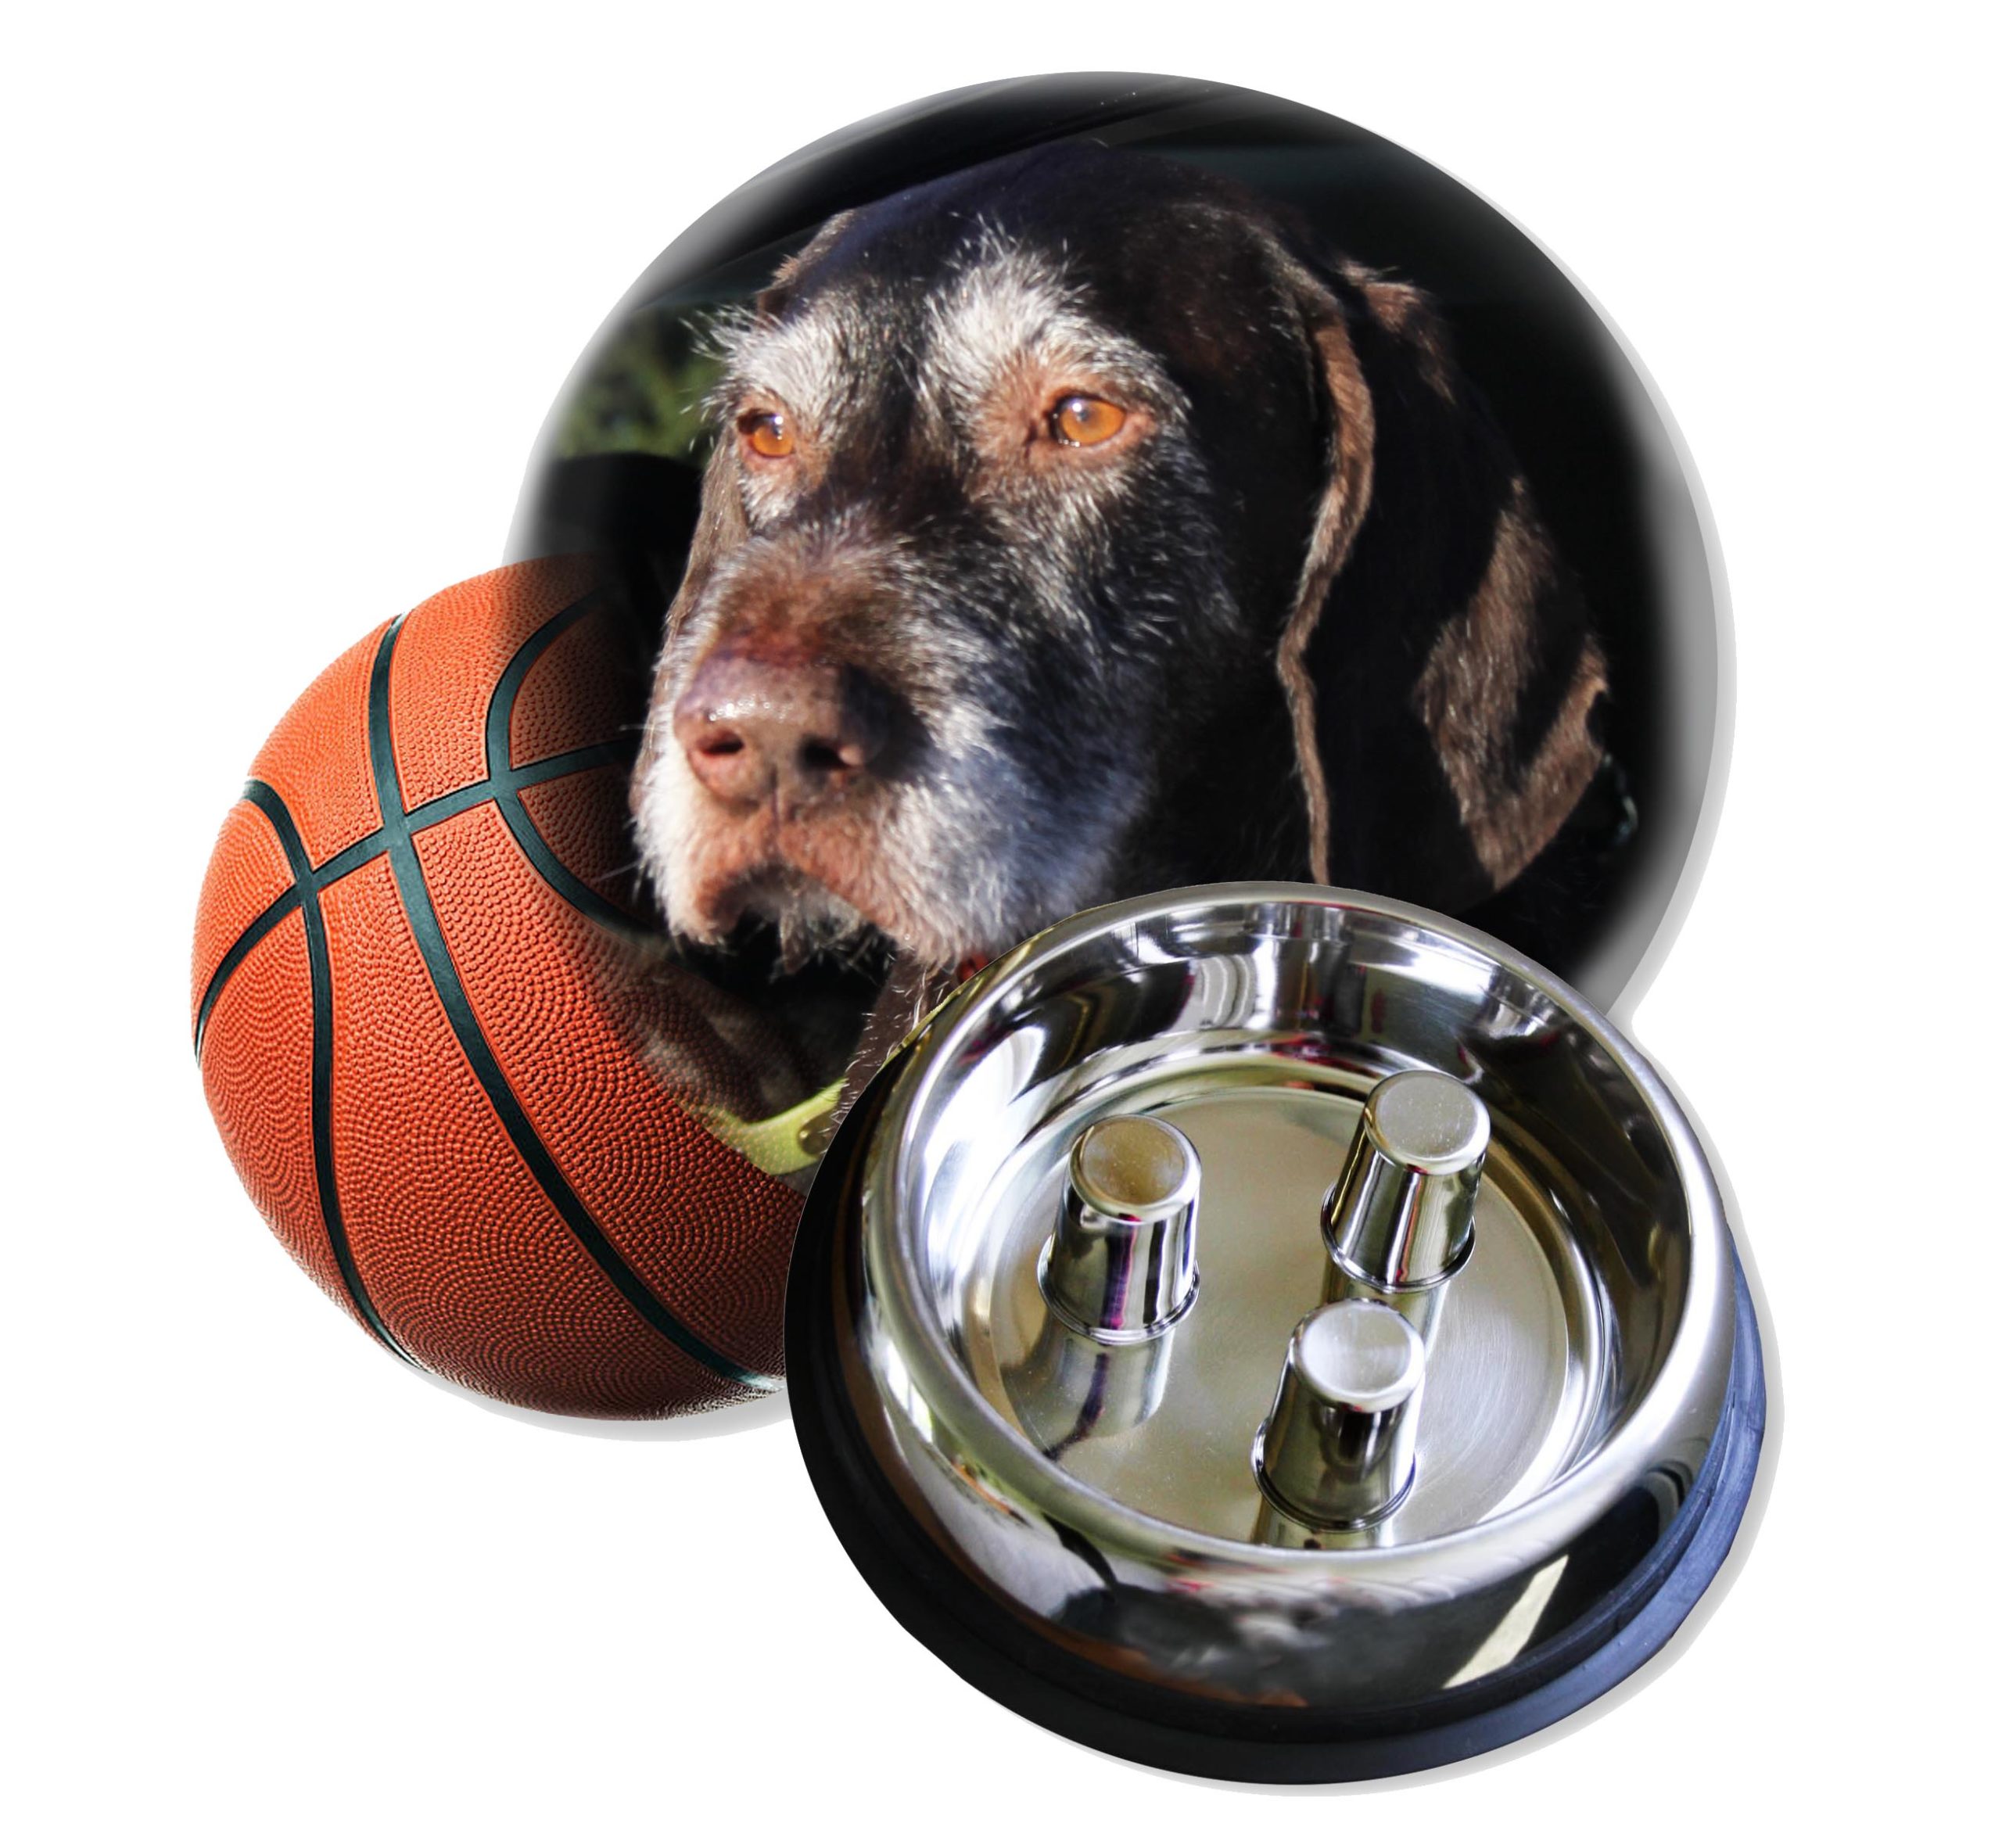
{"x": 769, "y": 433}
{"x": 1082, "y": 420}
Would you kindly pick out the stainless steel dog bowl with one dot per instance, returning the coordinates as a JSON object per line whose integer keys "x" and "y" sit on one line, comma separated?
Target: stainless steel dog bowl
{"x": 1492, "y": 1509}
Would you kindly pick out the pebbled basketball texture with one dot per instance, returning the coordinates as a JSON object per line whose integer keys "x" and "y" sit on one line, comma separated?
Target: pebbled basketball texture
{"x": 453, "y": 1068}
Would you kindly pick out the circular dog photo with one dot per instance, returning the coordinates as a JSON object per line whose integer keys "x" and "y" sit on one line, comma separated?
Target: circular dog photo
{"x": 1070, "y": 489}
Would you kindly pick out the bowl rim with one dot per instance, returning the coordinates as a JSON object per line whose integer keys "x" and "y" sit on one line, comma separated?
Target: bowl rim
{"x": 1685, "y": 1399}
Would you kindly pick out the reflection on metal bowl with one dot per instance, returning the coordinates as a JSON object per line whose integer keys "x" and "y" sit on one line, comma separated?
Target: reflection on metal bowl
{"x": 1081, "y": 1520}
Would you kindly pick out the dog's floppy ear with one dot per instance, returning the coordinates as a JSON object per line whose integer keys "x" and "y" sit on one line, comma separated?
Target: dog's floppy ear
{"x": 1436, "y": 653}
{"x": 786, "y": 277}
{"x": 1344, "y": 505}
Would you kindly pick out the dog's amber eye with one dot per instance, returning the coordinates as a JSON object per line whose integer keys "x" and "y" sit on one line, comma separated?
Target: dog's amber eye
{"x": 1083, "y": 420}
{"x": 769, "y": 433}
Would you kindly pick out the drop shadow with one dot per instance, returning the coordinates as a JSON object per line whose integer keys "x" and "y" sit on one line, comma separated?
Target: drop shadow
{"x": 693, "y": 1427}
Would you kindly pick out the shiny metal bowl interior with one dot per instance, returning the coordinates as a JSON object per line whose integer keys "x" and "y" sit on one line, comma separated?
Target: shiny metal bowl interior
{"x": 1575, "y": 1384}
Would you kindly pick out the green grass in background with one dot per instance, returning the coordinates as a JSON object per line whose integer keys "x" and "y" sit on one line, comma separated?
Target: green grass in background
{"x": 644, "y": 391}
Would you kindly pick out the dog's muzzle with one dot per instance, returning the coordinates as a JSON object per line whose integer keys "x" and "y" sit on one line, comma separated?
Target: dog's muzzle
{"x": 761, "y": 727}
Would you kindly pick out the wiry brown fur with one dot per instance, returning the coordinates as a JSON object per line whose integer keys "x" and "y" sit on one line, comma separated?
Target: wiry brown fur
{"x": 1300, "y": 618}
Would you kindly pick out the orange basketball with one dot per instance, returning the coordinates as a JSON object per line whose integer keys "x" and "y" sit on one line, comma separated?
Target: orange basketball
{"x": 450, "y": 1064}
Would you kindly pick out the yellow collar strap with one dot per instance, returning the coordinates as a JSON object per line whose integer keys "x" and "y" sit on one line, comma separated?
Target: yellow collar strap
{"x": 781, "y": 1145}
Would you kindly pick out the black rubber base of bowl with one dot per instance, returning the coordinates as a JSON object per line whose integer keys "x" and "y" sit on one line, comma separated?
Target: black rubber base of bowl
{"x": 1017, "y": 1664}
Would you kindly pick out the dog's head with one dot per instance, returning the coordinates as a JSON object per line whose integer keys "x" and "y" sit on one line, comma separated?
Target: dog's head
{"x": 1031, "y": 489}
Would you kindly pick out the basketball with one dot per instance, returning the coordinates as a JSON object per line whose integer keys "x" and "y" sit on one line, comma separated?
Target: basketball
{"x": 452, "y": 1065}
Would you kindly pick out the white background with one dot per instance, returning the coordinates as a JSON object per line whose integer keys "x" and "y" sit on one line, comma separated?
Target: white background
{"x": 291, "y": 293}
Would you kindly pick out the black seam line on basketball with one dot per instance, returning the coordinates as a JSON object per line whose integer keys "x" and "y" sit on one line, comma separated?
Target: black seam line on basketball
{"x": 565, "y": 883}
{"x": 408, "y": 870}
{"x": 500, "y": 770}
{"x": 319, "y": 965}
{"x": 545, "y": 770}
{"x": 254, "y": 933}
{"x": 456, "y": 802}
{"x": 310, "y": 881}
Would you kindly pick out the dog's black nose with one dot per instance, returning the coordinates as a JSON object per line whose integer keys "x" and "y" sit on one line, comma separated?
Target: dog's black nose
{"x": 754, "y": 726}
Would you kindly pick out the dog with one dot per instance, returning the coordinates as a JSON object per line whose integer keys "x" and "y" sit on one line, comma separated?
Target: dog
{"x": 1075, "y": 527}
